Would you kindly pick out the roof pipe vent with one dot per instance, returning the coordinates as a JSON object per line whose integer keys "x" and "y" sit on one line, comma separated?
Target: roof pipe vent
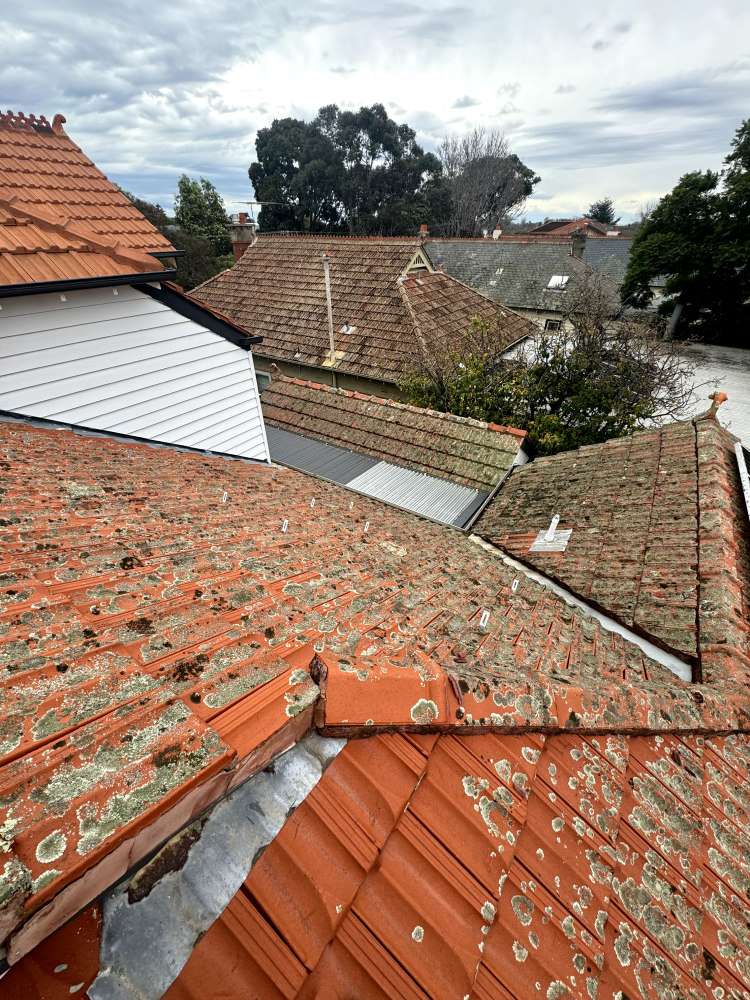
{"x": 550, "y": 536}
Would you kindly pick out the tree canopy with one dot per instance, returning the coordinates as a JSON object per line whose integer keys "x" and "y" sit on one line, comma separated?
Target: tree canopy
{"x": 599, "y": 377}
{"x": 698, "y": 237}
{"x": 603, "y": 211}
{"x": 199, "y": 209}
{"x": 360, "y": 172}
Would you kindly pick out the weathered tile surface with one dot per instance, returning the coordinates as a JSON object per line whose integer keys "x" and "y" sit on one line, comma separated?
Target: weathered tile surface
{"x": 277, "y": 290}
{"x": 466, "y": 451}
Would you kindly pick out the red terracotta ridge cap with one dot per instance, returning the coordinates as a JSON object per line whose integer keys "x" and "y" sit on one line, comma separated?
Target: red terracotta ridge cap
{"x": 62, "y": 226}
{"x": 515, "y": 431}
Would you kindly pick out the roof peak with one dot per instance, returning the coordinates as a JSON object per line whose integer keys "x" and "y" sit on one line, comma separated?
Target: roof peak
{"x": 19, "y": 122}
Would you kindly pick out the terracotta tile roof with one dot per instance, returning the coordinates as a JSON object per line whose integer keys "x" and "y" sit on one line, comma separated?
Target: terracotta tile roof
{"x": 45, "y": 174}
{"x": 467, "y": 451}
{"x": 499, "y": 867}
{"x": 163, "y": 637}
{"x": 636, "y": 506}
{"x": 32, "y": 252}
{"x": 277, "y": 290}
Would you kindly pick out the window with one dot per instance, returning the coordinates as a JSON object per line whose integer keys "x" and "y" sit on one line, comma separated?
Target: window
{"x": 263, "y": 379}
{"x": 553, "y": 324}
{"x": 558, "y": 282}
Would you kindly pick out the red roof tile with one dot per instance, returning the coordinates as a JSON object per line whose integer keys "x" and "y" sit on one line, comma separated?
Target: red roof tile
{"x": 277, "y": 290}
{"x": 44, "y": 173}
{"x": 154, "y": 634}
{"x": 582, "y": 867}
{"x": 471, "y": 452}
{"x": 636, "y": 506}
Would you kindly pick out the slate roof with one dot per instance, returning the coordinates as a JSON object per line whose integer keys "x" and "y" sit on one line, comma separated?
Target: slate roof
{"x": 277, "y": 290}
{"x": 467, "y": 451}
{"x": 45, "y": 174}
{"x": 573, "y": 806}
{"x": 517, "y": 273}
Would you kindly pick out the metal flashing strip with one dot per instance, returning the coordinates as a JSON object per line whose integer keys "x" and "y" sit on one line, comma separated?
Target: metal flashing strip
{"x": 439, "y": 499}
{"x": 682, "y": 670}
{"x": 743, "y": 462}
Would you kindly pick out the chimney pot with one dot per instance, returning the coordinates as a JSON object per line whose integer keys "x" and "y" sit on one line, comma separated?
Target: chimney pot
{"x": 423, "y": 228}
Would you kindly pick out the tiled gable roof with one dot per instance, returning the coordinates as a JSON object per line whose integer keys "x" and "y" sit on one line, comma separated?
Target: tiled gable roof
{"x": 33, "y": 251}
{"x": 468, "y": 451}
{"x": 277, "y": 290}
{"x": 172, "y": 623}
{"x": 499, "y": 867}
{"x": 636, "y": 506}
{"x": 517, "y": 273}
{"x": 45, "y": 174}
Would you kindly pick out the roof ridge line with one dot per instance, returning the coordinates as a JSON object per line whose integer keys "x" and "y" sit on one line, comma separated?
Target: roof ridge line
{"x": 396, "y": 403}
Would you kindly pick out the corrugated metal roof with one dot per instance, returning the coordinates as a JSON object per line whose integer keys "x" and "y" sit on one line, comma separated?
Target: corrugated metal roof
{"x": 415, "y": 491}
{"x": 463, "y": 450}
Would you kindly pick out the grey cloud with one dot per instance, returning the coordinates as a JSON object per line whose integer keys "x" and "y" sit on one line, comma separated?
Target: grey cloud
{"x": 509, "y": 89}
{"x": 716, "y": 91}
{"x": 565, "y": 88}
{"x": 599, "y": 45}
{"x": 508, "y": 109}
{"x": 465, "y": 102}
{"x": 622, "y": 27}
{"x": 341, "y": 69}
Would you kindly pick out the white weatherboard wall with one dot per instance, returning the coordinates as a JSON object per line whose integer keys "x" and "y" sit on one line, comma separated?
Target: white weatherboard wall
{"x": 118, "y": 360}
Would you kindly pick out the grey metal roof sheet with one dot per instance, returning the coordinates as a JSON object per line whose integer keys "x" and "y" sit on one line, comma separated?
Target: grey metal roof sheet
{"x": 437, "y": 498}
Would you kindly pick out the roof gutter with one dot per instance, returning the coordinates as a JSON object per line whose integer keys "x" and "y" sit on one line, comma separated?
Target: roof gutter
{"x": 77, "y": 284}
{"x": 166, "y": 254}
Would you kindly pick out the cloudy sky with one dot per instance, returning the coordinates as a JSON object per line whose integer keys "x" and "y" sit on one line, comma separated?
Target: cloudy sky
{"x": 600, "y": 98}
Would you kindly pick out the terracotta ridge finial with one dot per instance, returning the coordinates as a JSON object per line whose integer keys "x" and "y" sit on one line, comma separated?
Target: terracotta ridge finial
{"x": 717, "y": 399}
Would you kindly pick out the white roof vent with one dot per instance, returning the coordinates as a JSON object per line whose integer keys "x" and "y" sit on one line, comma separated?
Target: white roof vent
{"x": 347, "y": 328}
{"x": 558, "y": 281}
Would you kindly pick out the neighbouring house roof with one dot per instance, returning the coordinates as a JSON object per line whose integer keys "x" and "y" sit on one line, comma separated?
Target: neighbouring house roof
{"x": 46, "y": 175}
{"x": 471, "y": 452}
{"x": 277, "y": 290}
{"x": 565, "y": 226}
{"x": 634, "y": 507}
{"x": 530, "y": 798}
{"x": 517, "y": 273}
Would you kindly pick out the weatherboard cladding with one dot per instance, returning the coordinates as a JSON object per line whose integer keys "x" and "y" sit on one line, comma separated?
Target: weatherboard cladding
{"x": 45, "y": 173}
{"x": 154, "y": 635}
{"x": 118, "y": 360}
{"x": 277, "y": 290}
{"x": 471, "y": 452}
{"x": 517, "y": 273}
{"x": 499, "y": 868}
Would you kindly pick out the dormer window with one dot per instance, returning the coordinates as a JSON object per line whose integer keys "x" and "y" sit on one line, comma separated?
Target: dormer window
{"x": 558, "y": 282}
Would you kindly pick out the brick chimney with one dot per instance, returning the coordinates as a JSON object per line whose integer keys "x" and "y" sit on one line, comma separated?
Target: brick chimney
{"x": 423, "y": 234}
{"x": 497, "y": 231}
{"x": 241, "y": 233}
{"x": 578, "y": 243}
